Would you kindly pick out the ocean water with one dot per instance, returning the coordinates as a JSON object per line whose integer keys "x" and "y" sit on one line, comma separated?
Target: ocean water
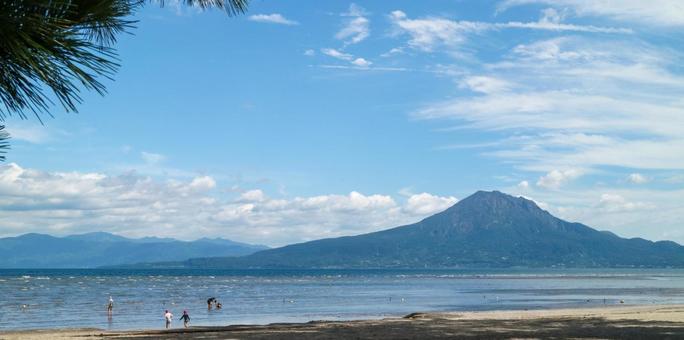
{"x": 76, "y": 298}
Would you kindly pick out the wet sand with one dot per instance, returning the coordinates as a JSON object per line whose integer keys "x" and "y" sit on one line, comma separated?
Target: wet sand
{"x": 619, "y": 322}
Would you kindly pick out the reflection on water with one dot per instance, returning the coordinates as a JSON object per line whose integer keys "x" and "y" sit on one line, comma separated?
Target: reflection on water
{"x": 78, "y": 298}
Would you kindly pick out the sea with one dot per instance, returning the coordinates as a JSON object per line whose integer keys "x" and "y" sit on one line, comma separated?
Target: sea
{"x": 77, "y": 298}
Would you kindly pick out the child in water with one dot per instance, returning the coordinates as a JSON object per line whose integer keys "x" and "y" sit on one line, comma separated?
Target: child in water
{"x": 110, "y": 305}
{"x": 186, "y": 318}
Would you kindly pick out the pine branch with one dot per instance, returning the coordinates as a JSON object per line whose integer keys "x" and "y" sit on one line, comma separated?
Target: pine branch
{"x": 4, "y": 142}
{"x": 64, "y": 46}
{"x": 232, "y": 7}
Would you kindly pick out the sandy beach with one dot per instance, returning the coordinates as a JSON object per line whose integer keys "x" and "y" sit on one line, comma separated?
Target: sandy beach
{"x": 619, "y": 322}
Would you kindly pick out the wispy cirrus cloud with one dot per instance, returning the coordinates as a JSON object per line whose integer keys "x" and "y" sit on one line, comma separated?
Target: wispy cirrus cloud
{"x": 576, "y": 101}
{"x": 355, "y": 30}
{"x": 32, "y": 133}
{"x": 485, "y": 84}
{"x": 428, "y": 34}
{"x": 655, "y": 12}
{"x": 357, "y": 26}
{"x": 358, "y": 62}
{"x": 337, "y": 54}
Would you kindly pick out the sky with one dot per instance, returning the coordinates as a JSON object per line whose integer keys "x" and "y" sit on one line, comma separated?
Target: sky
{"x": 311, "y": 119}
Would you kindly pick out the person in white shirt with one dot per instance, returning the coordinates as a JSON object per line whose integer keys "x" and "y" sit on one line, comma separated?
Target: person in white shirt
{"x": 169, "y": 317}
{"x": 110, "y": 305}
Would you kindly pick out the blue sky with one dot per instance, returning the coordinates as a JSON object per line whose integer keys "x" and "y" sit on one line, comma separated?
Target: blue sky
{"x": 313, "y": 119}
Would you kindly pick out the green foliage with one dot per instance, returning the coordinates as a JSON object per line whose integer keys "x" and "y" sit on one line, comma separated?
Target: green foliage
{"x": 62, "y": 46}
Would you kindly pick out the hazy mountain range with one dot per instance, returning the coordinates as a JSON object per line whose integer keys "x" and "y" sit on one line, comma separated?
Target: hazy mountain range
{"x": 102, "y": 249}
{"x": 487, "y": 229}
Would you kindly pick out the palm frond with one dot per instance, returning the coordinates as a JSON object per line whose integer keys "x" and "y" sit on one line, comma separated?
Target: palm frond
{"x": 4, "y": 142}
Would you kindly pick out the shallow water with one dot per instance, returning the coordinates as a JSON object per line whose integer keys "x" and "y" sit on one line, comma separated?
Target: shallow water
{"x": 31, "y": 299}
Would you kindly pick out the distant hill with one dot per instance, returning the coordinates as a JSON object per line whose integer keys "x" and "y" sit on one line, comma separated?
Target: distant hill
{"x": 102, "y": 249}
{"x": 487, "y": 229}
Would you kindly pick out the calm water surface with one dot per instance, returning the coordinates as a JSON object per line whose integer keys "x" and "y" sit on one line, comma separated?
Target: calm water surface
{"x": 31, "y": 299}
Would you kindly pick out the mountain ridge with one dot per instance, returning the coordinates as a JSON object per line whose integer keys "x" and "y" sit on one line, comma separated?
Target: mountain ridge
{"x": 95, "y": 249}
{"x": 486, "y": 229}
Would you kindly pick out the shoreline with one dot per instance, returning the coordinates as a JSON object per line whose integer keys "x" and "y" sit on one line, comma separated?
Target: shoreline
{"x": 612, "y": 322}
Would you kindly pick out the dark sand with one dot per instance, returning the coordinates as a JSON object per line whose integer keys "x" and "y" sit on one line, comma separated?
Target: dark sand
{"x": 620, "y": 322}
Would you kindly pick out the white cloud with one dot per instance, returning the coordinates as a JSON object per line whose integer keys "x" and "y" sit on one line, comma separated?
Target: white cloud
{"x": 637, "y": 178}
{"x": 556, "y": 178}
{"x": 355, "y": 11}
{"x": 253, "y": 196}
{"x": 374, "y": 68}
{"x": 357, "y": 28}
{"x": 337, "y": 54}
{"x": 524, "y": 185}
{"x": 560, "y": 110}
{"x": 203, "y": 183}
{"x": 485, "y": 84}
{"x": 274, "y": 18}
{"x": 393, "y": 51}
{"x": 577, "y": 102}
{"x": 309, "y": 53}
{"x": 356, "y": 31}
{"x": 654, "y": 12}
{"x": 552, "y": 16}
{"x": 74, "y": 202}
{"x": 553, "y": 50}
{"x": 152, "y": 158}
{"x": 617, "y": 203}
{"x": 426, "y": 34}
{"x": 36, "y": 134}
{"x": 635, "y": 211}
{"x": 551, "y": 26}
{"x": 361, "y": 62}
{"x": 429, "y": 33}
{"x": 427, "y": 204}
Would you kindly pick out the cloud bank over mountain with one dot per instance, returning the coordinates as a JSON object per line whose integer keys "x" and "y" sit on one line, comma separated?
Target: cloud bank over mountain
{"x": 136, "y": 205}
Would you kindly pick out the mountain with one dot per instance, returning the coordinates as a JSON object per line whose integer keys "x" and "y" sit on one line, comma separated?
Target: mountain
{"x": 487, "y": 229}
{"x": 103, "y": 249}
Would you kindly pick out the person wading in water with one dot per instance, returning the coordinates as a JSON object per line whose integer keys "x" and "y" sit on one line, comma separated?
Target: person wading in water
{"x": 110, "y": 305}
{"x": 186, "y": 318}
